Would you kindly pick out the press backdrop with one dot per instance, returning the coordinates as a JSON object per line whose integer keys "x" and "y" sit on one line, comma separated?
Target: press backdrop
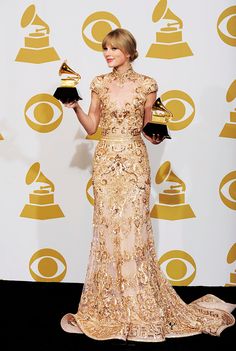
{"x": 46, "y": 155}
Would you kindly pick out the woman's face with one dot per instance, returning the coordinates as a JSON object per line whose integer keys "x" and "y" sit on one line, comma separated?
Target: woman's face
{"x": 114, "y": 56}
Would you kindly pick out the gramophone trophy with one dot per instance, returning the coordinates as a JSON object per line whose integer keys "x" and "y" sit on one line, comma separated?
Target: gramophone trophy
{"x": 67, "y": 92}
{"x": 160, "y": 119}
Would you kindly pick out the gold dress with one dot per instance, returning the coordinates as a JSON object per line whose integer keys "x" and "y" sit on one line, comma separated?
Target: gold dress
{"x": 126, "y": 295}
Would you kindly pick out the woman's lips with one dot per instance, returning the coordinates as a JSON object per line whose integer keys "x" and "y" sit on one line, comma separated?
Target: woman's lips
{"x": 109, "y": 60}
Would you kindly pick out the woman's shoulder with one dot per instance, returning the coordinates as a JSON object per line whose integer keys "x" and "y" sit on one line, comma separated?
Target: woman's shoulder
{"x": 147, "y": 79}
{"x": 149, "y": 83}
{"x": 97, "y": 82}
{"x": 100, "y": 77}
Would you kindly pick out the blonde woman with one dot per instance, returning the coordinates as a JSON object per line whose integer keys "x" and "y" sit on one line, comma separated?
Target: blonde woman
{"x": 125, "y": 295}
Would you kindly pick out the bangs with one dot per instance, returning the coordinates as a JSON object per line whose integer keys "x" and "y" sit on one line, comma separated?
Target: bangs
{"x": 113, "y": 41}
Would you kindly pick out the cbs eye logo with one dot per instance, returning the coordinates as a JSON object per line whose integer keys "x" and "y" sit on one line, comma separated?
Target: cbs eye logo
{"x": 89, "y": 187}
{"x": 182, "y": 106}
{"x": 40, "y": 112}
{"x": 96, "y": 26}
{"x": 228, "y": 25}
{"x": 229, "y": 182}
{"x": 47, "y": 265}
{"x": 179, "y": 267}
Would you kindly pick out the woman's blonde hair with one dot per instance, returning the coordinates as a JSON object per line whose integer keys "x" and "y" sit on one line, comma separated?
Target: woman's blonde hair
{"x": 123, "y": 40}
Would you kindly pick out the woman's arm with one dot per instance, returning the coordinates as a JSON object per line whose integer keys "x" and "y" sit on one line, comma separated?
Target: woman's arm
{"x": 91, "y": 120}
{"x": 151, "y": 98}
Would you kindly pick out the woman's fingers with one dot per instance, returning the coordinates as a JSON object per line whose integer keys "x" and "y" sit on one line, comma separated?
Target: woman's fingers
{"x": 70, "y": 104}
{"x": 156, "y": 137}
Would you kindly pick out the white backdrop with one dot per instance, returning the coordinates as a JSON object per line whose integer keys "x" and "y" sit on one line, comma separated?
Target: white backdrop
{"x": 194, "y": 66}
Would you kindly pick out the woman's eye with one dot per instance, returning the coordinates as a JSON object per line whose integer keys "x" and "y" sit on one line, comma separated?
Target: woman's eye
{"x": 114, "y": 49}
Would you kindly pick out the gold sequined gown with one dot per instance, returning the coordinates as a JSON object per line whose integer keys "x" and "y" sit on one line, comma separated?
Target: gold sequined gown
{"x": 125, "y": 294}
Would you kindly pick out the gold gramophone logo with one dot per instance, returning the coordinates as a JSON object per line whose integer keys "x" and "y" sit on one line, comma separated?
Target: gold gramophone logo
{"x": 231, "y": 258}
{"x": 179, "y": 267}
{"x": 228, "y": 24}
{"x": 41, "y": 200}
{"x": 37, "y": 49}
{"x": 229, "y": 129}
{"x": 171, "y": 204}
{"x": 182, "y": 106}
{"x": 96, "y": 26}
{"x": 47, "y": 265}
{"x": 227, "y": 190}
{"x": 169, "y": 43}
{"x": 40, "y": 112}
{"x": 1, "y": 137}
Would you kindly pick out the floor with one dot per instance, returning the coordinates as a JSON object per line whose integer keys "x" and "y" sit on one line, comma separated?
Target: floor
{"x": 32, "y": 312}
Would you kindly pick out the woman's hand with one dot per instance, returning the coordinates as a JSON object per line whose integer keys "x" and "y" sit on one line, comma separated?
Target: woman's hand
{"x": 73, "y": 104}
{"x": 156, "y": 139}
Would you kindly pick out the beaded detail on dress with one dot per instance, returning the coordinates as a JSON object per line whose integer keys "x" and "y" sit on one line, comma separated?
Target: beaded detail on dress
{"x": 125, "y": 294}
{"x": 122, "y": 107}
{"x": 121, "y": 78}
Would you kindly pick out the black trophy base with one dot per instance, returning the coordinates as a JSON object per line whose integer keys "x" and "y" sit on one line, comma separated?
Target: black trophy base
{"x": 157, "y": 128}
{"x": 66, "y": 95}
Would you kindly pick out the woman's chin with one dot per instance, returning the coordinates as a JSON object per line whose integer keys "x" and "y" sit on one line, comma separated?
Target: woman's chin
{"x": 111, "y": 64}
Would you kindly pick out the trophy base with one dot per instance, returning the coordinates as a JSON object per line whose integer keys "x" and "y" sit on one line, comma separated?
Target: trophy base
{"x": 42, "y": 212}
{"x": 172, "y": 213}
{"x": 157, "y": 128}
{"x": 229, "y": 131}
{"x": 169, "y": 51}
{"x": 67, "y": 94}
{"x": 42, "y": 55}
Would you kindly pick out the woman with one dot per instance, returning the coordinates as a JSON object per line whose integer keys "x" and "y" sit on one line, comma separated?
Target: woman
{"x": 126, "y": 296}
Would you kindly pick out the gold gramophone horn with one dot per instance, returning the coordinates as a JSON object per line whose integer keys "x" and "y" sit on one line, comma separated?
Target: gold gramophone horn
{"x": 165, "y": 173}
{"x": 30, "y": 17}
{"x": 67, "y": 70}
{"x": 231, "y": 93}
{"x": 34, "y": 174}
{"x": 231, "y": 257}
{"x": 159, "y": 109}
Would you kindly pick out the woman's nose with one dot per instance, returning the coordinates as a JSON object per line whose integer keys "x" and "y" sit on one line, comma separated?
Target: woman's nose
{"x": 108, "y": 52}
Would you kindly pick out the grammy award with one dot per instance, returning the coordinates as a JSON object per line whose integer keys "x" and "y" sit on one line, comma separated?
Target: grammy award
{"x": 160, "y": 119}
{"x": 67, "y": 92}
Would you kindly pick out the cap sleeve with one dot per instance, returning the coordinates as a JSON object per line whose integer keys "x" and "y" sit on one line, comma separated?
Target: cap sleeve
{"x": 150, "y": 85}
{"x": 94, "y": 85}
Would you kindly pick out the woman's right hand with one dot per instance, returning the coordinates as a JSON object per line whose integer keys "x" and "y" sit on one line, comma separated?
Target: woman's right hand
{"x": 73, "y": 104}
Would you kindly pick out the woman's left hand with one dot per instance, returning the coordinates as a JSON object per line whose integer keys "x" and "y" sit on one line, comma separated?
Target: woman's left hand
{"x": 156, "y": 139}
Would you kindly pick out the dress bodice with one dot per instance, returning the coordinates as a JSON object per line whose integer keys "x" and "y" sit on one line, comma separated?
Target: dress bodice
{"x": 123, "y": 98}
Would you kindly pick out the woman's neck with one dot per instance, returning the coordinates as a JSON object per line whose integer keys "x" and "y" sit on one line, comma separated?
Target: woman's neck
{"x": 123, "y": 68}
